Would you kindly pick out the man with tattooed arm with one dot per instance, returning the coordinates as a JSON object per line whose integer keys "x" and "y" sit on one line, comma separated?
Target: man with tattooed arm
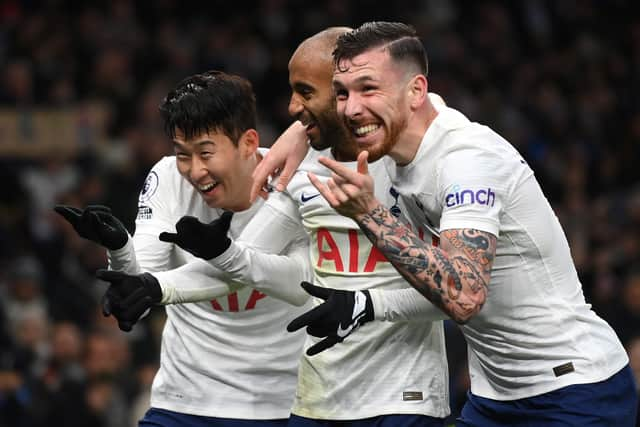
{"x": 538, "y": 354}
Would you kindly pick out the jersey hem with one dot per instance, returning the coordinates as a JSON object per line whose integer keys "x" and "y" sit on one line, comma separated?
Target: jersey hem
{"x": 368, "y": 414}
{"x": 240, "y": 413}
{"x": 537, "y": 391}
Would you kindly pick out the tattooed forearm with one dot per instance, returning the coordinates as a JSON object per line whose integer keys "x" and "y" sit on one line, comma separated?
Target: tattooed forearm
{"x": 455, "y": 276}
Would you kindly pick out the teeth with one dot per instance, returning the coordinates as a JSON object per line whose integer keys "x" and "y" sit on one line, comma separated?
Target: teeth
{"x": 207, "y": 187}
{"x": 363, "y": 130}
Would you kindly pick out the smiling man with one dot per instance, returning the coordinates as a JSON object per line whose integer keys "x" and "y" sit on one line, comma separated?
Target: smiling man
{"x": 394, "y": 375}
{"x": 226, "y": 359}
{"x": 538, "y": 355}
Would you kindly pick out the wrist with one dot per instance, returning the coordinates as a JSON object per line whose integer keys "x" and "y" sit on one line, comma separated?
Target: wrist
{"x": 371, "y": 206}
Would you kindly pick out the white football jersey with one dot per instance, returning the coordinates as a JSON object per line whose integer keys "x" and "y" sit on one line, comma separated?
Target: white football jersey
{"x": 535, "y": 332}
{"x": 230, "y": 357}
{"x": 380, "y": 369}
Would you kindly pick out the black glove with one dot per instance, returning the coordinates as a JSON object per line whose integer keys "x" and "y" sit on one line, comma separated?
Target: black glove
{"x": 96, "y": 223}
{"x": 129, "y": 296}
{"x": 341, "y": 313}
{"x": 205, "y": 241}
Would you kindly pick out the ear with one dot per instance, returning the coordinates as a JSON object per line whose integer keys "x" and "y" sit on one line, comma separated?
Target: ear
{"x": 248, "y": 143}
{"x": 418, "y": 91}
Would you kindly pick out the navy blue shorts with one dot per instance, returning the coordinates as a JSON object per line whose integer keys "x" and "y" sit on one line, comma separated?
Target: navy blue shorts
{"x": 612, "y": 402}
{"x": 162, "y": 418}
{"x": 381, "y": 421}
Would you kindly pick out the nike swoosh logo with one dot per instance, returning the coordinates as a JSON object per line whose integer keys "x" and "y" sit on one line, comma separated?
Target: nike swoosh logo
{"x": 342, "y": 333}
{"x": 305, "y": 199}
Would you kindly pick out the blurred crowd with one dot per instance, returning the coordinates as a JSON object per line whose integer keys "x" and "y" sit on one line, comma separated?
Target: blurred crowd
{"x": 560, "y": 80}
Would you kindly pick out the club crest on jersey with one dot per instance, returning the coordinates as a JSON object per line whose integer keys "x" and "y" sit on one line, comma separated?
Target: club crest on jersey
{"x": 395, "y": 209}
{"x": 149, "y": 187}
{"x": 465, "y": 196}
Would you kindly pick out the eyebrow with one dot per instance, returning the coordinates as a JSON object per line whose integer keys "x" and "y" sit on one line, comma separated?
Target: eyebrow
{"x": 299, "y": 86}
{"x": 359, "y": 80}
{"x": 202, "y": 143}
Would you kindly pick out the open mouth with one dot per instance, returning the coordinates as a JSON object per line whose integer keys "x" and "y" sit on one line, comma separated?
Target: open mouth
{"x": 365, "y": 130}
{"x": 207, "y": 188}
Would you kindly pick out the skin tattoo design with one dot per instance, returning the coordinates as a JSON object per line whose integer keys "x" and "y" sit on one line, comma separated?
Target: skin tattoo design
{"x": 448, "y": 275}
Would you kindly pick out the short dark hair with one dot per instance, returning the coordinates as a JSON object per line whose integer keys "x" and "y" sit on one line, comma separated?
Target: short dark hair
{"x": 210, "y": 101}
{"x": 401, "y": 40}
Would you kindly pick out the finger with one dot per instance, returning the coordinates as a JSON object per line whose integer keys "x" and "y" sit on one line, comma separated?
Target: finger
{"x": 322, "y": 346}
{"x": 337, "y": 191}
{"x": 125, "y": 325}
{"x": 305, "y": 319}
{"x": 168, "y": 237}
{"x": 225, "y": 219}
{"x": 316, "y": 291}
{"x": 258, "y": 186}
{"x": 285, "y": 176}
{"x": 133, "y": 298}
{"x": 135, "y": 311}
{"x": 98, "y": 209}
{"x": 110, "y": 275}
{"x": 188, "y": 223}
{"x": 340, "y": 169}
{"x": 261, "y": 174}
{"x": 69, "y": 213}
{"x": 326, "y": 193}
{"x": 363, "y": 165}
{"x": 106, "y": 305}
{"x": 263, "y": 194}
{"x": 321, "y": 329}
{"x": 89, "y": 222}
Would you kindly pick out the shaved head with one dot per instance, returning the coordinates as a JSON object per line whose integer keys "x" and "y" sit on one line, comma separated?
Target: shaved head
{"x": 312, "y": 101}
{"x": 318, "y": 49}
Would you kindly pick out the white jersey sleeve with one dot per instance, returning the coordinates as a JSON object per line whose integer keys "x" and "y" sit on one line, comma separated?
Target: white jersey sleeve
{"x": 194, "y": 282}
{"x": 145, "y": 252}
{"x": 253, "y": 258}
{"x": 472, "y": 185}
{"x": 404, "y": 305}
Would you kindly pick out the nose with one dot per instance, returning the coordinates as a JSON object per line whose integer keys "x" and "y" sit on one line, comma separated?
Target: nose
{"x": 295, "y": 106}
{"x": 198, "y": 169}
{"x": 350, "y": 107}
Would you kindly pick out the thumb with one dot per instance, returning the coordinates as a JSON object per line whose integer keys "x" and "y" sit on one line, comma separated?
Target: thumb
{"x": 363, "y": 165}
{"x": 111, "y": 276}
{"x": 316, "y": 291}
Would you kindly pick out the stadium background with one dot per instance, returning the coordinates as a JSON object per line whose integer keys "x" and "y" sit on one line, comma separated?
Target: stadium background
{"x": 81, "y": 82}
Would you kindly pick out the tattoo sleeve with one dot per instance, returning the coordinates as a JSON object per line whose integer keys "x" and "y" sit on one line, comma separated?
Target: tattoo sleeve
{"x": 455, "y": 276}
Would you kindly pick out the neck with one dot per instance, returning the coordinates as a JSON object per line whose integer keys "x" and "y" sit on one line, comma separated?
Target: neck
{"x": 410, "y": 139}
{"x": 244, "y": 203}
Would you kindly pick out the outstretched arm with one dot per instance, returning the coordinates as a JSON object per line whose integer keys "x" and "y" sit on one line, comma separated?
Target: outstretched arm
{"x": 273, "y": 259}
{"x": 283, "y": 158}
{"x": 454, "y": 277}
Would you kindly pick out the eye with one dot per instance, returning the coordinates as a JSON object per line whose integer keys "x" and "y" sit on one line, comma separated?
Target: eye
{"x": 368, "y": 88}
{"x": 341, "y": 94}
{"x": 206, "y": 154}
{"x": 182, "y": 156}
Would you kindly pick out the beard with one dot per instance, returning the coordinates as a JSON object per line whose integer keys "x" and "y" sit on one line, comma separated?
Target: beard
{"x": 332, "y": 133}
{"x": 391, "y": 138}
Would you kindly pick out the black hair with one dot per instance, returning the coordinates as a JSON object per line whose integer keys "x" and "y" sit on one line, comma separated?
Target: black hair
{"x": 399, "y": 39}
{"x": 211, "y": 101}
